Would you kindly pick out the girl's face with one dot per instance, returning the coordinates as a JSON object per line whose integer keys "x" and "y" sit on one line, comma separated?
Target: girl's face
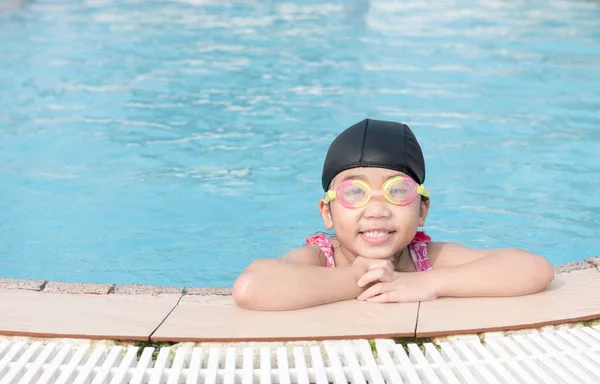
{"x": 378, "y": 230}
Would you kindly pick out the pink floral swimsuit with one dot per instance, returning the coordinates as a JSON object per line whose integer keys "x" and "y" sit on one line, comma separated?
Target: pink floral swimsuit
{"x": 417, "y": 249}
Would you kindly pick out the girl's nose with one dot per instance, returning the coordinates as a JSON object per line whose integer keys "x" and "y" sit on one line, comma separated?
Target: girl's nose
{"x": 377, "y": 207}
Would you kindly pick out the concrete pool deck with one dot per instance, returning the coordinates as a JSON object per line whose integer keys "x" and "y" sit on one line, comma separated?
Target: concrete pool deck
{"x": 37, "y": 308}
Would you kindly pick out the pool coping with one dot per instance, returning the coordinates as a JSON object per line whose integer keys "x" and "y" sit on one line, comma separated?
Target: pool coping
{"x": 167, "y": 302}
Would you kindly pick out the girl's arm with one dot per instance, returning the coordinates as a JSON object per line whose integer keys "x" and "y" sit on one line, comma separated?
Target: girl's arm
{"x": 462, "y": 271}
{"x": 298, "y": 280}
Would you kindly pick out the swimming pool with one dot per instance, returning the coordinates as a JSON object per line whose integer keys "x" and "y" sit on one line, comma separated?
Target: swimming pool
{"x": 173, "y": 142}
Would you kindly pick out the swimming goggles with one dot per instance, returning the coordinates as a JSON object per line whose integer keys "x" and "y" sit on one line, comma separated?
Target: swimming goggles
{"x": 356, "y": 193}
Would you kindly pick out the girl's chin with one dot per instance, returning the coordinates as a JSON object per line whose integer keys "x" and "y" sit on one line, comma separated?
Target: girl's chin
{"x": 378, "y": 255}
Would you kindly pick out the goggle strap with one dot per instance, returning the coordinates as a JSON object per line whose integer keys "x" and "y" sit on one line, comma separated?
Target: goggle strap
{"x": 422, "y": 191}
{"x": 329, "y": 196}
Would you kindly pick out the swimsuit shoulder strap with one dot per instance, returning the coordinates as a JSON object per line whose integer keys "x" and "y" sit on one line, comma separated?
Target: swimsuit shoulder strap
{"x": 418, "y": 251}
{"x": 325, "y": 244}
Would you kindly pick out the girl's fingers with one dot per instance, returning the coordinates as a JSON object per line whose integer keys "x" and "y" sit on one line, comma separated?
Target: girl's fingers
{"x": 387, "y": 297}
{"x": 386, "y": 276}
{"x": 375, "y": 290}
{"x": 370, "y": 277}
{"x": 381, "y": 264}
{"x": 379, "y": 274}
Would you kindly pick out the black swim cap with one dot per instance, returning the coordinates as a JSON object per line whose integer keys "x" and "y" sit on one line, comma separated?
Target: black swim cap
{"x": 375, "y": 143}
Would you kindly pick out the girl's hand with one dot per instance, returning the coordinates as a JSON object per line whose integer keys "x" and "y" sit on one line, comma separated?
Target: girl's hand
{"x": 375, "y": 270}
{"x": 404, "y": 287}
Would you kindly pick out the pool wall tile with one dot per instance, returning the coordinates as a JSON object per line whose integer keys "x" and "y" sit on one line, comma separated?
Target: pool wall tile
{"x": 138, "y": 289}
{"x": 78, "y": 288}
{"x": 572, "y": 266}
{"x": 212, "y": 291}
{"x": 31, "y": 285}
{"x": 595, "y": 261}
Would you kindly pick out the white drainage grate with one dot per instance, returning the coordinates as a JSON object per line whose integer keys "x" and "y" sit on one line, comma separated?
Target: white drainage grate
{"x": 552, "y": 356}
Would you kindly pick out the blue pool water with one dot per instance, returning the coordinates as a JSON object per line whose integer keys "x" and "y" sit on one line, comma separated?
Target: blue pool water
{"x": 173, "y": 142}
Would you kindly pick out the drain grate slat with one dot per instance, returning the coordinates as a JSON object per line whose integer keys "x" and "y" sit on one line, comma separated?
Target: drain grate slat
{"x": 10, "y": 355}
{"x": 108, "y": 364}
{"x": 580, "y": 361}
{"x": 481, "y": 366}
{"x": 371, "y": 364}
{"x": 336, "y": 365}
{"x": 502, "y": 351}
{"x": 536, "y": 364}
{"x": 391, "y": 373}
{"x": 409, "y": 369}
{"x": 68, "y": 369}
{"x": 302, "y": 371}
{"x": 352, "y": 362}
{"x": 18, "y": 367}
{"x": 450, "y": 376}
{"x": 160, "y": 365}
{"x": 86, "y": 371}
{"x": 590, "y": 358}
{"x": 320, "y": 377}
{"x": 551, "y": 356}
{"x": 548, "y": 360}
{"x": 497, "y": 365}
{"x": 230, "y": 366}
{"x": 178, "y": 363}
{"x": 34, "y": 371}
{"x": 546, "y": 348}
{"x": 265, "y": 365}
{"x": 283, "y": 366}
{"x": 417, "y": 357}
{"x": 49, "y": 372}
{"x": 123, "y": 370}
{"x": 247, "y": 372}
{"x": 142, "y": 370}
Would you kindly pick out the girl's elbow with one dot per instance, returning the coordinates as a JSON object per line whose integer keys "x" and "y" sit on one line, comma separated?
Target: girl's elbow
{"x": 245, "y": 290}
{"x": 549, "y": 273}
{"x": 545, "y": 272}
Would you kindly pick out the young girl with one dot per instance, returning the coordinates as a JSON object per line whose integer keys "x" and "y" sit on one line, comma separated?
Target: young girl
{"x": 375, "y": 201}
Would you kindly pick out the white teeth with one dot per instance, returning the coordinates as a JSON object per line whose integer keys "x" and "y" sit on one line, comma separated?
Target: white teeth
{"x": 375, "y": 233}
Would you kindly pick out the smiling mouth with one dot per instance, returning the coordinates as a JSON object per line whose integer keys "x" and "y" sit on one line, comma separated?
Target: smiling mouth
{"x": 375, "y": 234}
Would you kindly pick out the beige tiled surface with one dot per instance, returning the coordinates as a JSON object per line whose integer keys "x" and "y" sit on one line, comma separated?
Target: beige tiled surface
{"x": 571, "y": 296}
{"x": 91, "y": 316}
{"x": 216, "y": 318}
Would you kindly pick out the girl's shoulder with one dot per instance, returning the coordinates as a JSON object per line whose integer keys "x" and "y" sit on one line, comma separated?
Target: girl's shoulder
{"x": 309, "y": 254}
{"x": 446, "y": 254}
